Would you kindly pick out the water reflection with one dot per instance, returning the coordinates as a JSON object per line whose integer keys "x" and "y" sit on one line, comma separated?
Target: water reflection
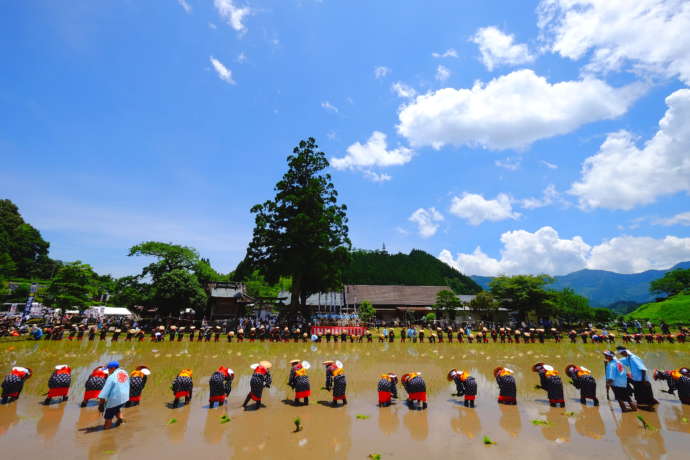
{"x": 510, "y": 420}
{"x": 50, "y": 420}
{"x": 466, "y": 422}
{"x": 590, "y": 424}
{"x": 388, "y": 420}
{"x": 637, "y": 442}
{"x": 558, "y": 428}
{"x": 213, "y": 428}
{"x": 8, "y": 417}
{"x": 177, "y": 429}
{"x": 417, "y": 424}
{"x": 677, "y": 418}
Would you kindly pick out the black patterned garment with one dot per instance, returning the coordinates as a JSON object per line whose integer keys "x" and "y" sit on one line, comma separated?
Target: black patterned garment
{"x": 59, "y": 380}
{"x": 257, "y": 384}
{"x": 220, "y": 385}
{"x": 507, "y": 388}
{"x": 182, "y": 386}
{"x": 339, "y": 386}
{"x": 553, "y": 385}
{"x": 586, "y": 384}
{"x": 137, "y": 382}
{"x": 302, "y": 387}
{"x": 13, "y": 383}
{"x": 466, "y": 387}
{"x": 329, "y": 378}
{"x": 415, "y": 388}
{"x": 95, "y": 383}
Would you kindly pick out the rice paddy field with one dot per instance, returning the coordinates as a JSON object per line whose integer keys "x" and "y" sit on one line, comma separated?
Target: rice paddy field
{"x": 531, "y": 429}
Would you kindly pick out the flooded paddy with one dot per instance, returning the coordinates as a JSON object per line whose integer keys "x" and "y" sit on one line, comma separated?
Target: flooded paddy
{"x": 29, "y": 430}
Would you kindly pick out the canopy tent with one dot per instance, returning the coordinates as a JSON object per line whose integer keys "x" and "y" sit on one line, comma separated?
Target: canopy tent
{"x": 107, "y": 311}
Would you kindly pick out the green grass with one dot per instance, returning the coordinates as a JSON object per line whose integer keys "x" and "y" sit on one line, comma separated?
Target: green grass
{"x": 675, "y": 310}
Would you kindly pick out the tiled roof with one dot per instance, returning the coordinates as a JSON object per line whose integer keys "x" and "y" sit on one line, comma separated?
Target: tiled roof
{"x": 393, "y": 295}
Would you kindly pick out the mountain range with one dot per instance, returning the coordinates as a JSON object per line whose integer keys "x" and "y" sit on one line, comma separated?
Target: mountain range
{"x": 604, "y": 288}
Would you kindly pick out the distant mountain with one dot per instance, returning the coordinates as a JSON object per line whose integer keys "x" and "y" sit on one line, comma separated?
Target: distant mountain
{"x": 418, "y": 268}
{"x": 604, "y": 288}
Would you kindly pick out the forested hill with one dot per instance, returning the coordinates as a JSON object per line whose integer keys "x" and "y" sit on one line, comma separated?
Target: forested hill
{"x": 417, "y": 268}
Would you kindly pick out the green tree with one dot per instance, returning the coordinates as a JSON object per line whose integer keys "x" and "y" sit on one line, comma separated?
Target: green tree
{"x": 672, "y": 283}
{"x": 366, "y": 311}
{"x": 302, "y": 233}
{"x": 73, "y": 285}
{"x": 447, "y": 302}
{"x": 523, "y": 294}
{"x": 603, "y": 315}
{"x": 176, "y": 290}
{"x": 484, "y": 304}
{"x": 571, "y": 306}
{"x": 23, "y": 244}
{"x": 128, "y": 291}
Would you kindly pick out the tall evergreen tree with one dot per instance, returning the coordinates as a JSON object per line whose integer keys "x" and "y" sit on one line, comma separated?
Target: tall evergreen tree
{"x": 302, "y": 232}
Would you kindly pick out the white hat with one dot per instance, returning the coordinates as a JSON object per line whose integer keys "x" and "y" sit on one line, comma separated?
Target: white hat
{"x": 21, "y": 369}
{"x": 547, "y": 367}
{"x": 230, "y": 371}
{"x": 306, "y": 364}
{"x": 338, "y": 364}
{"x": 254, "y": 366}
{"x": 60, "y": 366}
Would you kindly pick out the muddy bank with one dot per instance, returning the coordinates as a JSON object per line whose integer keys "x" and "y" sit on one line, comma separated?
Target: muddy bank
{"x": 29, "y": 429}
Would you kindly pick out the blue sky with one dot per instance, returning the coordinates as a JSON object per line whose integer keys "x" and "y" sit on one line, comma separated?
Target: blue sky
{"x": 503, "y": 137}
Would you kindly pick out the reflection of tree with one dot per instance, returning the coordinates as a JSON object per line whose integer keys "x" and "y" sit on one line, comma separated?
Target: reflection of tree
{"x": 558, "y": 427}
{"x": 637, "y": 442}
{"x": 50, "y": 421}
{"x": 674, "y": 420}
{"x": 8, "y": 417}
{"x": 467, "y": 422}
{"x": 388, "y": 420}
{"x": 417, "y": 424}
{"x": 510, "y": 420}
{"x": 590, "y": 424}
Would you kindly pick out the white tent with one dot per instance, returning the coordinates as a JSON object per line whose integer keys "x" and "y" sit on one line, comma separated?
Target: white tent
{"x": 101, "y": 311}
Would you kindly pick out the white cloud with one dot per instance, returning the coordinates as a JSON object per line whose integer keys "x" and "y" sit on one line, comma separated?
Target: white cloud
{"x": 651, "y": 35}
{"x": 442, "y": 73}
{"x": 374, "y": 153}
{"x": 376, "y": 177}
{"x": 549, "y": 165}
{"x": 497, "y": 48}
{"x": 679, "y": 219}
{"x": 477, "y": 209}
{"x": 550, "y": 196}
{"x": 234, "y": 15}
{"x": 381, "y": 71}
{"x": 241, "y": 58}
{"x": 427, "y": 221}
{"x": 212, "y": 26}
{"x": 223, "y": 72}
{"x": 186, "y": 6}
{"x": 511, "y": 111}
{"x": 622, "y": 176}
{"x": 509, "y": 163}
{"x": 402, "y": 90}
{"x": 328, "y": 106}
{"x": 449, "y": 53}
{"x": 545, "y": 252}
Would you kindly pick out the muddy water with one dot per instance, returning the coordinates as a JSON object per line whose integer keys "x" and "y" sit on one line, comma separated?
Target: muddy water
{"x": 29, "y": 429}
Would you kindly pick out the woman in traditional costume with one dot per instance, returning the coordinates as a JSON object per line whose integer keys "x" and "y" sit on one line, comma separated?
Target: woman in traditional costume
{"x": 387, "y": 388}
{"x": 220, "y": 385}
{"x": 415, "y": 386}
{"x": 581, "y": 378}
{"x": 677, "y": 380}
{"x": 506, "y": 385}
{"x": 465, "y": 385}
{"x": 299, "y": 381}
{"x": 182, "y": 387}
{"x": 261, "y": 378}
{"x": 550, "y": 381}
{"x": 58, "y": 383}
{"x": 13, "y": 383}
{"x": 339, "y": 383}
{"x": 94, "y": 384}
{"x": 137, "y": 382}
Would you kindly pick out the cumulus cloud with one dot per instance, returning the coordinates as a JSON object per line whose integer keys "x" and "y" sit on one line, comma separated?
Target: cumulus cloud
{"x": 477, "y": 209}
{"x": 622, "y": 176}
{"x": 374, "y": 153}
{"x": 511, "y": 111}
{"x": 381, "y": 71}
{"x": 185, "y": 6}
{"x": 650, "y": 35}
{"x": 328, "y": 106}
{"x": 233, "y": 14}
{"x": 509, "y": 163}
{"x": 403, "y": 90}
{"x": 442, "y": 73}
{"x": 427, "y": 221}
{"x": 679, "y": 219}
{"x": 550, "y": 196}
{"x": 545, "y": 252}
{"x": 223, "y": 72}
{"x": 497, "y": 48}
{"x": 449, "y": 53}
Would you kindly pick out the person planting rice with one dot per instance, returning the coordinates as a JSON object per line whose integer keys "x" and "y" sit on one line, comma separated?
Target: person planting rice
{"x": 261, "y": 378}
{"x": 465, "y": 385}
{"x": 581, "y": 378}
{"x": 137, "y": 382}
{"x": 94, "y": 384}
{"x": 220, "y": 386}
{"x": 299, "y": 381}
{"x": 550, "y": 381}
{"x": 415, "y": 386}
{"x": 329, "y": 365}
{"x": 642, "y": 388}
{"x": 182, "y": 387}
{"x": 677, "y": 380}
{"x": 59, "y": 383}
{"x": 114, "y": 395}
{"x": 13, "y": 383}
{"x": 339, "y": 383}
{"x": 387, "y": 388}
{"x": 617, "y": 380}
{"x": 506, "y": 385}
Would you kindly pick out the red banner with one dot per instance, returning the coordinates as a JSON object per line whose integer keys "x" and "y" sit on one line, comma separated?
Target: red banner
{"x": 349, "y": 330}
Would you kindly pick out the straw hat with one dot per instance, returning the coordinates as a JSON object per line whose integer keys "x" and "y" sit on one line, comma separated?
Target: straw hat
{"x": 293, "y": 361}
{"x": 266, "y": 364}
{"x": 173, "y": 328}
{"x": 537, "y": 367}
{"x": 451, "y": 374}
{"x": 231, "y": 333}
{"x": 252, "y": 329}
{"x": 328, "y": 362}
{"x": 240, "y": 331}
